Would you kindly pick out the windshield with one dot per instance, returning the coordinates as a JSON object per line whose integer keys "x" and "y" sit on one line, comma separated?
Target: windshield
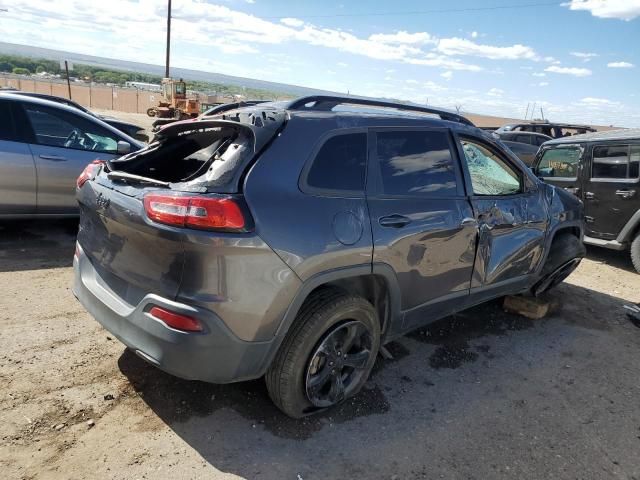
{"x": 560, "y": 162}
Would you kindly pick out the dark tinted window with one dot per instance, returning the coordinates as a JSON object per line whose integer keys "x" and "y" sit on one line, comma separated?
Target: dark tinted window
{"x": 416, "y": 163}
{"x": 59, "y": 128}
{"x": 7, "y": 123}
{"x": 540, "y": 140}
{"x": 615, "y": 161}
{"x": 523, "y": 138}
{"x": 340, "y": 164}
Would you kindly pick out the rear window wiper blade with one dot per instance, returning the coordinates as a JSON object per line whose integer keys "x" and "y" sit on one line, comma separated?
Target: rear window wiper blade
{"x": 130, "y": 178}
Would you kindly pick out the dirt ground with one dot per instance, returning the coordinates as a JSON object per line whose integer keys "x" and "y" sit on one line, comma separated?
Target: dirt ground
{"x": 483, "y": 394}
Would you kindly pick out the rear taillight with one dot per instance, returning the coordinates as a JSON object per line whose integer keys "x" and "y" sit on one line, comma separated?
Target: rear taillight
{"x": 89, "y": 172}
{"x": 176, "y": 320}
{"x": 209, "y": 213}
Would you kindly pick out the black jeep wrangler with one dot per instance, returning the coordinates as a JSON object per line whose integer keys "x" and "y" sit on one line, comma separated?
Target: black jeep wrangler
{"x": 602, "y": 169}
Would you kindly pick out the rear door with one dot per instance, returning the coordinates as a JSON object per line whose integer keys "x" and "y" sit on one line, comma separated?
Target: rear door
{"x": 611, "y": 189}
{"x": 17, "y": 169}
{"x": 510, "y": 215}
{"x": 62, "y": 145}
{"x": 423, "y": 226}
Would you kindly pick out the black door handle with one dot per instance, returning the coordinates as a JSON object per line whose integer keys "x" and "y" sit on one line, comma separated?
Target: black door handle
{"x": 394, "y": 221}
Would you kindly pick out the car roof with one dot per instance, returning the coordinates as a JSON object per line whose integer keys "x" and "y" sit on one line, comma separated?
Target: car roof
{"x": 535, "y": 134}
{"x": 74, "y": 111}
{"x": 46, "y": 96}
{"x": 606, "y": 135}
{"x": 354, "y": 112}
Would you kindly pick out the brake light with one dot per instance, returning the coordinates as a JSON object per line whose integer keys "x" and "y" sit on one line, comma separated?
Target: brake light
{"x": 194, "y": 211}
{"x": 176, "y": 320}
{"x": 89, "y": 172}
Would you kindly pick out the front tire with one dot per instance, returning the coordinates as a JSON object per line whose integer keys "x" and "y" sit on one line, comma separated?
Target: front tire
{"x": 635, "y": 252}
{"x": 327, "y": 355}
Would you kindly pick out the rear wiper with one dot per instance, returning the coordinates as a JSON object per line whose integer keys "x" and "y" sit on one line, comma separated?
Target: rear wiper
{"x": 130, "y": 178}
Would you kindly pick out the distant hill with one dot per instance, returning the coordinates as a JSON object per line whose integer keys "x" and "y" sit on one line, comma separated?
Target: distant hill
{"x": 110, "y": 63}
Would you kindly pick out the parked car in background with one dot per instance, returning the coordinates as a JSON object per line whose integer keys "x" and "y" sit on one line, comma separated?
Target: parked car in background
{"x": 551, "y": 129}
{"x": 603, "y": 170}
{"x": 290, "y": 240}
{"x": 131, "y": 129}
{"x": 44, "y": 147}
{"x": 524, "y": 144}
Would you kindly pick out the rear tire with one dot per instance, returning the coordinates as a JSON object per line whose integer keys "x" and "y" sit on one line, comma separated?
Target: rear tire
{"x": 303, "y": 361}
{"x": 564, "y": 248}
{"x": 635, "y": 252}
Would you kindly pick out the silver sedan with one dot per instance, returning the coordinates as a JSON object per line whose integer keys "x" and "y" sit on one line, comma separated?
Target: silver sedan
{"x": 44, "y": 147}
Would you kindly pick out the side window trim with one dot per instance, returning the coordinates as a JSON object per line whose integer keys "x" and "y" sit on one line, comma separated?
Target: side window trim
{"x": 374, "y": 184}
{"x": 329, "y": 192}
{"x": 612, "y": 180}
{"x": 467, "y": 175}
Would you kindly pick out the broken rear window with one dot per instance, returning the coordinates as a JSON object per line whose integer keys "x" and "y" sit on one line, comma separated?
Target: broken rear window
{"x": 207, "y": 156}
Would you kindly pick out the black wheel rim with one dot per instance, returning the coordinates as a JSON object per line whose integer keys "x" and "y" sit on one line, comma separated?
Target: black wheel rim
{"x": 338, "y": 364}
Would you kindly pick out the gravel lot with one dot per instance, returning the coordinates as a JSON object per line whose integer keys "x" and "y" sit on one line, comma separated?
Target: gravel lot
{"x": 480, "y": 395}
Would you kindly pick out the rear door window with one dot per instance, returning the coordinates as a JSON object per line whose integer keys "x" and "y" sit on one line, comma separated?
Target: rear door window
{"x": 523, "y": 138}
{"x": 615, "y": 162}
{"x": 416, "y": 163}
{"x": 560, "y": 162}
{"x": 340, "y": 164}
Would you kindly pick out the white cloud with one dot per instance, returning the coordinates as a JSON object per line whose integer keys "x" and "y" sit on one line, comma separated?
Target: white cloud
{"x": 448, "y": 75}
{"x": 543, "y": 84}
{"x": 432, "y": 60}
{"x": 598, "y": 102}
{"x": 412, "y": 81}
{"x": 551, "y": 60}
{"x": 621, "y": 9}
{"x": 539, "y": 74}
{"x": 474, "y": 34}
{"x": 576, "y": 72}
{"x": 495, "y": 92}
{"x": 402, "y": 38}
{"x": 583, "y": 54}
{"x": 620, "y": 65}
{"x": 292, "y": 22}
{"x": 461, "y": 46}
{"x": 342, "y": 64}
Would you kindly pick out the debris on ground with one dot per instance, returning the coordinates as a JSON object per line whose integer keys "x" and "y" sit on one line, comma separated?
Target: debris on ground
{"x": 534, "y": 308}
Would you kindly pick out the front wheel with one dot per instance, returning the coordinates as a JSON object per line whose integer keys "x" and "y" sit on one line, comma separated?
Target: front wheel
{"x": 327, "y": 355}
{"x": 635, "y": 252}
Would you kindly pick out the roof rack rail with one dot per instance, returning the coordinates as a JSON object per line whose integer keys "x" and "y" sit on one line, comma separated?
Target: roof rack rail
{"x": 225, "y": 107}
{"x": 327, "y": 102}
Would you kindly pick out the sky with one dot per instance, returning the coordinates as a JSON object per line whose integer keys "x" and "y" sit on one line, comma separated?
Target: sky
{"x": 578, "y": 60}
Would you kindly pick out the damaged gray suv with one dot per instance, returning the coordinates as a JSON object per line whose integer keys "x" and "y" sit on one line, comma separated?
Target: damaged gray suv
{"x": 293, "y": 240}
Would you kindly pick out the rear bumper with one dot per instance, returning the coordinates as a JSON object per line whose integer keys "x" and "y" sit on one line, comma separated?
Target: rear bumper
{"x": 215, "y": 355}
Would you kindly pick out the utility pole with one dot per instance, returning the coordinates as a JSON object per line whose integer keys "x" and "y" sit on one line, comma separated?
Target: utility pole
{"x": 166, "y": 69}
{"x": 66, "y": 69}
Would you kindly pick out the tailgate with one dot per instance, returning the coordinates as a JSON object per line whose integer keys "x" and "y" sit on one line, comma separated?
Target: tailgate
{"x": 132, "y": 256}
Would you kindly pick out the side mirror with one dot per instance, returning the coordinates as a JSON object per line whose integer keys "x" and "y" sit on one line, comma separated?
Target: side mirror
{"x": 123, "y": 147}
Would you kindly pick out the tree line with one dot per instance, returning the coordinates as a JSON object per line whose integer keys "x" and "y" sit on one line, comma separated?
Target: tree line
{"x": 28, "y": 66}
